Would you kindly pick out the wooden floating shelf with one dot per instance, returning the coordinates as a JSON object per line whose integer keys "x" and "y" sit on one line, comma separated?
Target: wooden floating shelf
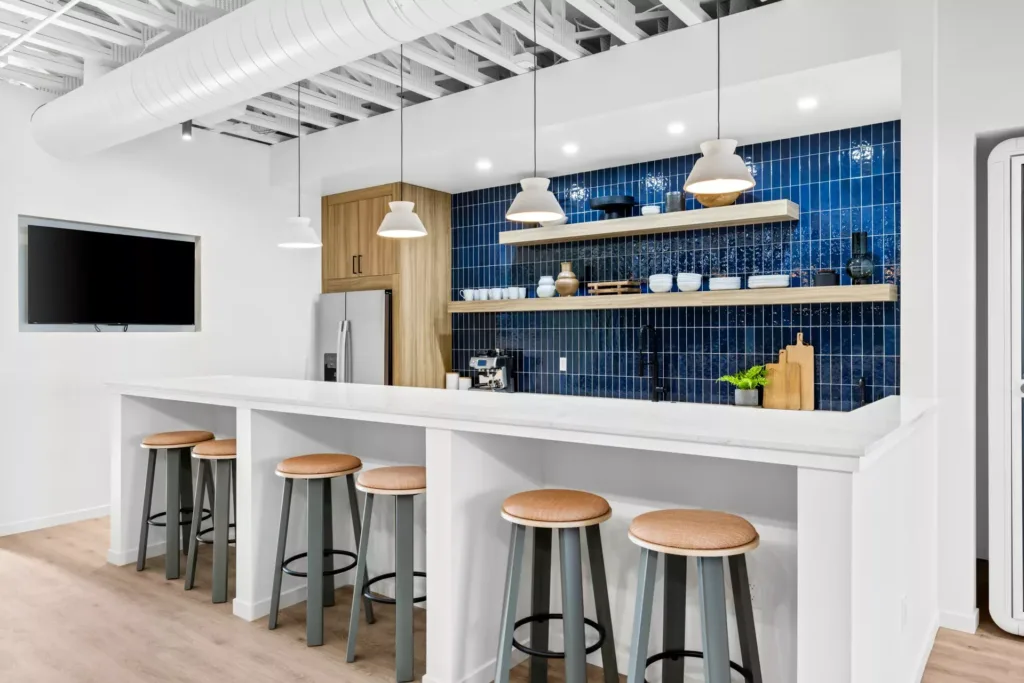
{"x": 677, "y": 221}
{"x": 735, "y": 297}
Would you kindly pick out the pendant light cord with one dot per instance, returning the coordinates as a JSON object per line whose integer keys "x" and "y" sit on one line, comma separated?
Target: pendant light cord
{"x": 535, "y": 88}
{"x": 298, "y": 107}
{"x": 718, "y": 41}
{"x": 401, "y": 122}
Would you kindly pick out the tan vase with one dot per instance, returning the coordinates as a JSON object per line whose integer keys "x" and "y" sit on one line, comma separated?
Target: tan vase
{"x": 567, "y": 284}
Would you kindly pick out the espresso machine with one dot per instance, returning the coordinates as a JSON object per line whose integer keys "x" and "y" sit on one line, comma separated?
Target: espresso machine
{"x": 492, "y": 371}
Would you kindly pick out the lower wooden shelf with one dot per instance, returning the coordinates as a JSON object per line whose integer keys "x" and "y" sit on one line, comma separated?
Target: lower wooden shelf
{"x": 736, "y": 297}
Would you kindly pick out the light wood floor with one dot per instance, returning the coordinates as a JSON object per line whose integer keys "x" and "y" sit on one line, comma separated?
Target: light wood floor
{"x": 66, "y": 616}
{"x": 989, "y": 656}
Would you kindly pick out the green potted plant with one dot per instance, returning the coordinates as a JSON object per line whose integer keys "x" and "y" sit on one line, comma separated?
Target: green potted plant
{"x": 747, "y": 382}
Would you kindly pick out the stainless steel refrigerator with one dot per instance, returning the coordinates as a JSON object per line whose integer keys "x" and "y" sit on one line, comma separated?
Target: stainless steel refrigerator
{"x": 354, "y": 339}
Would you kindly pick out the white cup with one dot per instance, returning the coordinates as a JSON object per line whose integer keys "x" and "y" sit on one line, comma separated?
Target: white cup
{"x": 451, "y": 380}
{"x": 522, "y": 292}
{"x": 481, "y": 295}
{"x": 469, "y": 294}
{"x": 465, "y": 383}
{"x": 512, "y": 293}
{"x": 495, "y": 293}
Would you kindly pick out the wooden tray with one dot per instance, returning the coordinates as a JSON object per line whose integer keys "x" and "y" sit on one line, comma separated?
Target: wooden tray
{"x": 617, "y": 287}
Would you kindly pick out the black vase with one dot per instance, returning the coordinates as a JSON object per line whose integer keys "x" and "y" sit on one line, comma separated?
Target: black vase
{"x": 860, "y": 265}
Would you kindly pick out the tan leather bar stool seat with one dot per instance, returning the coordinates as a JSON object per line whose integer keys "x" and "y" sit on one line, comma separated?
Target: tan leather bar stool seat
{"x": 403, "y": 480}
{"x": 214, "y": 450}
{"x": 319, "y": 466}
{"x": 556, "y": 508}
{"x": 694, "y": 533}
{"x": 184, "y": 439}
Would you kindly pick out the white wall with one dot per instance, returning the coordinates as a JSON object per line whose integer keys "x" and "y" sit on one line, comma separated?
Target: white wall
{"x": 256, "y": 299}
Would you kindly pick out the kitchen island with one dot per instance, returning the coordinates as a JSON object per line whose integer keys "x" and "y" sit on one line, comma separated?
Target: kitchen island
{"x": 830, "y": 493}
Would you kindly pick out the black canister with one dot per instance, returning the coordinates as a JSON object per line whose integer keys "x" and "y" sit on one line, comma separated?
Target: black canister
{"x": 826, "y": 278}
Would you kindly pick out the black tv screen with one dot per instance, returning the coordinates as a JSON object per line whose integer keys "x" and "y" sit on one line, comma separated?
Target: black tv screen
{"x": 103, "y": 278}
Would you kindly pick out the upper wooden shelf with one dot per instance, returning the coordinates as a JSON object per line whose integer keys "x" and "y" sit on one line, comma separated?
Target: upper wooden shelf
{"x": 697, "y": 219}
{"x": 735, "y": 297}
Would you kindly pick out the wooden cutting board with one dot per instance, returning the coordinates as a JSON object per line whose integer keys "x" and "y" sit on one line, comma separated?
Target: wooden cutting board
{"x": 783, "y": 389}
{"x": 803, "y": 355}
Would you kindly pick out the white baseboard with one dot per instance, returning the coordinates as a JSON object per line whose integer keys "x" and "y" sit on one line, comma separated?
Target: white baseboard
{"x": 251, "y": 611}
{"x": 123, "y": 559}
{"x": 485, "y": 672}
{"x": 926, "y": 650}
{"x": 968, "y": 623}
{"x": 54, "y": 520}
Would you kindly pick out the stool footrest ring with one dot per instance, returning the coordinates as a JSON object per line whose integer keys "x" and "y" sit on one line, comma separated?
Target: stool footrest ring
{"x": 679, "y": 654}
{"x": 374, "y": 597}
{"x": 185, "y": 517}
{"x": 548, "y": 654}
{"x": 209, "y": 529}
{"x": 327, "y": 551}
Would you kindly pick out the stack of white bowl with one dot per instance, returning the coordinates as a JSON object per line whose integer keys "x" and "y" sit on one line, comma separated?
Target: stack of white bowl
{"x": 688, "y": 282}
{"x": 660, "y": 283}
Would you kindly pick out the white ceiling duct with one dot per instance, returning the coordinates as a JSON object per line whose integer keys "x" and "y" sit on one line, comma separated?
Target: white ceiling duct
{"x": 256, "y": 49}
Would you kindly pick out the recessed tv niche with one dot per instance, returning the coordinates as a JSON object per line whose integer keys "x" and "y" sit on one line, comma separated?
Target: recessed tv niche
{"x": 89, "y": 275}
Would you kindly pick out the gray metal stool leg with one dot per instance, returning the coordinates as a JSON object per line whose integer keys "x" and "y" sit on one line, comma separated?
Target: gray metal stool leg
{"x": 642, "y": 615}
{"x": 193, "y": 537}
{"x": 711, "y": 573}
{"x": 364, "y": 544}
{"x": 147, "y": 510}
{"x": 601, "y": 602}
{"x": 572, "y": 606}
{"x": 185, "y": 486}
{"x": 511, "y": 599}
{"x": 353, "y": 506}
{"x": 745, "y": 616}
{"x": 674, "y": 618}
{"x": 315, "y": 563}
{"x": 282, "y": 540}
{"x": 540, "y": 602}
{"x": 328, "y": 544}
{"x": 172, "y": 556}
{"x": 404, "y": 550}
{"x": 221, "y": 519}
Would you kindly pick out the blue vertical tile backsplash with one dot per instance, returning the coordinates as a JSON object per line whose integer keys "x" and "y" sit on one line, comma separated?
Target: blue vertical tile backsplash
{"x": 844, "y": 181}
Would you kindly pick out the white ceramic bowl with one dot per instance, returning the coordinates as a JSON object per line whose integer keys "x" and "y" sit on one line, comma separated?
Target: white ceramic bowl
{"x": 650, "y": 210}
{"x": 719, "y": 283}
{"x": 660, "y": 286}
{"x": 688, "y": 285}
{"x": 545, "y": 291}
{"x": 661, "y": 276}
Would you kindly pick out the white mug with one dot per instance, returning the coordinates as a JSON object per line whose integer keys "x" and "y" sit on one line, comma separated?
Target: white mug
{"x": 512, "y": 293}
{"x": 465, "y": 383}
{"x": 469, "y": 294}
{"x": 495, "y": 293}
{"x": 451, "y": 380}
{"x": 481, "y": 295}
{"x": 522, "y": 292}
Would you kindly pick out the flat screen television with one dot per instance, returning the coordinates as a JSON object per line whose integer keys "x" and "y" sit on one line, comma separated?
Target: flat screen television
{"x": 108, "y": 278}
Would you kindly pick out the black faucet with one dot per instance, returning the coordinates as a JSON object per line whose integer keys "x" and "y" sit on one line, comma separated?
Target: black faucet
{"x": 649, "y": 333}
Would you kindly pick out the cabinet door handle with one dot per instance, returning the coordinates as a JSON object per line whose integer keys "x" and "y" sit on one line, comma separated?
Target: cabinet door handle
{"x": 360, "y": 264}
{"x": 354, "y": 265}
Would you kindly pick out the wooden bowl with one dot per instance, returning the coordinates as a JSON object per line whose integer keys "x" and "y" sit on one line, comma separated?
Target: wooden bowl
{"x": 713, "y": 200}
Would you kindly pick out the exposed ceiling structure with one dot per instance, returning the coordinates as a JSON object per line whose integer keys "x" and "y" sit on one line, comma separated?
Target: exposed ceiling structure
{"x": 49, "y": 46}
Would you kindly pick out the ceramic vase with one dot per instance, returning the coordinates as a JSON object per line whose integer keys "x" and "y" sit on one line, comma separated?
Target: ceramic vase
{"x": 567, "y": 284}
{"x": 747, "y": 397}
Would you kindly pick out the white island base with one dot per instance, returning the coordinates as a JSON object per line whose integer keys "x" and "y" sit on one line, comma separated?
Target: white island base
{"x": 837, "y": 581}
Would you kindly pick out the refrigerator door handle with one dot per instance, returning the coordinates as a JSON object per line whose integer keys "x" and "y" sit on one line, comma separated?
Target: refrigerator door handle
{"x": 344, "y": 332}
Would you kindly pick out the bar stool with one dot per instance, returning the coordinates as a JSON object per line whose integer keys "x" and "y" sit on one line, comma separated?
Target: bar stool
{"x": 318, "y": 470}
{"x": 179, "y": 495}
{"x": 710, "y": 537}
{"x": 217, "y": 472}
{"x": 568, "y": 511}
{"x": 403, "y": 483}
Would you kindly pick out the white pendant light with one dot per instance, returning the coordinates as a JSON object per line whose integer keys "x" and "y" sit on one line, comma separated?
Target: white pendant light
{"x": 720, "y": 170}
{"x": 402, "y": 221}
{"x": 299, "y": 234}
{"x": 535, "y": 202}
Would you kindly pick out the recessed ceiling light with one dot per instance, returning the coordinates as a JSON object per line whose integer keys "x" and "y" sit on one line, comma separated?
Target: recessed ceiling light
{"x": 570, "y": 148}
{"x": 484, "y": 165}
{"x": 807, "y": 103}
{"x": 676, "y": 128}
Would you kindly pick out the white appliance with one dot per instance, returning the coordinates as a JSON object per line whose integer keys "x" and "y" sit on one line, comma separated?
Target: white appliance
{"x": 1006, "y": 385}
{"x": 353, "y": 337}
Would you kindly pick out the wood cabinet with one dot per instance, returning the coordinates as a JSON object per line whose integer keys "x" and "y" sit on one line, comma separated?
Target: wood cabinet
{"x": 417, "y": 271}
{"x": 351, "y": 246}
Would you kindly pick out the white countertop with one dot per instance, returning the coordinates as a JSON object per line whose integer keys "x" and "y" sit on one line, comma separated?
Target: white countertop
{"x": 819, "y": 439}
